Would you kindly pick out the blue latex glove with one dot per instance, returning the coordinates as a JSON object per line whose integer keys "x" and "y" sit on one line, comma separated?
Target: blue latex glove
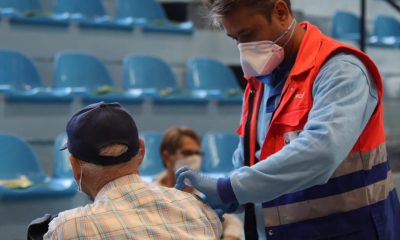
{"x": 185, "y": 177}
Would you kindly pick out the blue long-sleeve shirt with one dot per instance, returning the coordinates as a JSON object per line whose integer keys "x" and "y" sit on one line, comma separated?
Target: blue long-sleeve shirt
{"x": 345, "y": 97}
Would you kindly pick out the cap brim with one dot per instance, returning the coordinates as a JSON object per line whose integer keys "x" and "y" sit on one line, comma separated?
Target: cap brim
{"x": 64, "y": 146}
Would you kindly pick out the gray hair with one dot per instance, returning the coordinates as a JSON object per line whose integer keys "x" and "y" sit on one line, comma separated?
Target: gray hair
{"x": 220, "y": 8}
{"x": 114, "y": 150}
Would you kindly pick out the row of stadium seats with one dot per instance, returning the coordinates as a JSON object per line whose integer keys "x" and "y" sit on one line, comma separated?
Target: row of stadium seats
{"x": 386, "y": 30}
{"x": 85, "y": 76}
{"x": 18, "y": 160}
{"x": 148, "y": 15}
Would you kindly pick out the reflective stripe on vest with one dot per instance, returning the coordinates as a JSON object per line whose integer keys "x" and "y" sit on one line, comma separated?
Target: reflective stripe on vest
{"x": 344, "y": 202}
{"x": 361, "y": 161}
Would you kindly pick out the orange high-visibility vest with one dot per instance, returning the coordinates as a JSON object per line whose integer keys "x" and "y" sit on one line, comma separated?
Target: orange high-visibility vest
{"x": 292, "y": 112}
{"x": 284, "y": 215}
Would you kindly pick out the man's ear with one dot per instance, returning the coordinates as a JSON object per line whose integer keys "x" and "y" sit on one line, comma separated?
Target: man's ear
{"x": 141, "y": 152}
{"x": 282, "y": 11}
{"x": 76, "y": 166}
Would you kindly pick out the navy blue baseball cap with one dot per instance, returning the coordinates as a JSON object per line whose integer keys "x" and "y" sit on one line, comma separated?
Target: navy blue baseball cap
{"x": 100, "y": 125}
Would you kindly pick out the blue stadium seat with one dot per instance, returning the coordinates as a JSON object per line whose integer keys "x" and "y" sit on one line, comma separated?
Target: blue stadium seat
{"x": 145, "y": 9}
{"x": 346, "y": 26}
{"x": 386, "y": 32}
{"x": 152, "y": 77}
{"x": 82, "y": 9}
{"x": 150, "y": 16}
{"x": 88, "y": 13}
{"x": 28, "y": 12}
{"x": 210, "y": 78}
{"x": 19, "y": 6}
{"x": 84, "y": 75}
{"x": 20, "y": 80}
{"x": 61, "y": 164}
{"x": 152, "y": 162}
{"x": 18, "y": 160}
{"x": 218, "y": 149}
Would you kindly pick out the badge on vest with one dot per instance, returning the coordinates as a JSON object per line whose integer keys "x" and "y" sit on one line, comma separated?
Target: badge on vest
{"x": 291, "y": 136}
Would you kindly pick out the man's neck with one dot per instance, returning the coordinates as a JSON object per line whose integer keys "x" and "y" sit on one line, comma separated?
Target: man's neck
{"x": 293, "y": 47}
{"x": 99, "y": 181}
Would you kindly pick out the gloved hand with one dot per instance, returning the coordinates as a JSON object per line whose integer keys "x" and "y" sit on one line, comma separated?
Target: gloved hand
{"x": 185, "y": 177}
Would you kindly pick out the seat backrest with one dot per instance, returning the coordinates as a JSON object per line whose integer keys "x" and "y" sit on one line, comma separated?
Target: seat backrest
{"x": 18, "y": 71}
{"x": 147, "y": 72}
{"x": 209, "y": 74}
{"x": 61, "y": 164}
{"x": 218, "y": 149}
{"x": 152, "y": 162}
{"x": 385, "y": 26}
{"x": 88, "y": 8}
{"x": 17, "y": 158}
{"x": 76, "y": 70}
{"x": 21, "y": 5}
{"x": 345, "y": 23}
{"x": 148, "y": 9}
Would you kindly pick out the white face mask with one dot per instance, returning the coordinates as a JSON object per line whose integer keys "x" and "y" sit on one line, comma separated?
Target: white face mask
{"x": 263, "y": 57}
{"x": 193, "y": 162}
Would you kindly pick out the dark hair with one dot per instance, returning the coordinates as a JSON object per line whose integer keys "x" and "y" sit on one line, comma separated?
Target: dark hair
{"x": 172, "y": 140}
{"x": 221, "y": 8}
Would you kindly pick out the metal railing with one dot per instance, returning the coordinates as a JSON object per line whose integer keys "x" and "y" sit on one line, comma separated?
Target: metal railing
{"x": 394, "y": 4}
{"x": 363, "y": 9}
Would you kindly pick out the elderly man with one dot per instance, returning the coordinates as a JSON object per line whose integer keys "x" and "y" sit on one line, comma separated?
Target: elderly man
{"x": 105, "y": 156}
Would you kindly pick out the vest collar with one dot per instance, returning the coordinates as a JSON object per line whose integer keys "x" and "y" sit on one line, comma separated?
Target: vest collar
{"x": 309, "y": 49}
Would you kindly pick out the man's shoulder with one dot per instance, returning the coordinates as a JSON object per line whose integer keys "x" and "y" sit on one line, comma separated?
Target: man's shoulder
{"x": 70, "y": 222}
{"x": 343, "y": 64}
{"x": 344, "y": 58}
{"x": 190, "y": 202}
{"x": 68, "y": 217}
{"x": 171, "y": 193}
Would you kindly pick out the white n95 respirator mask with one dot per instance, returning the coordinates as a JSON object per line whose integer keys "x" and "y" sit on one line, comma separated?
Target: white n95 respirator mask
{"x": 262, "y": 57}
{"x": 193, "y": 162}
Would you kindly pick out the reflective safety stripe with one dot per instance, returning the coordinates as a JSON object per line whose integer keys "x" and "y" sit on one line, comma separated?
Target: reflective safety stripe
{"x": 361, "y": 161}
{"x": 345, "y": 202}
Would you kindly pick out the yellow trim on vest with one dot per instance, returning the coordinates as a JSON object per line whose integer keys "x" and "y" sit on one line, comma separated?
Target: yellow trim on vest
{"x": 345, "y": 202}
{"x": 361, "y": 161}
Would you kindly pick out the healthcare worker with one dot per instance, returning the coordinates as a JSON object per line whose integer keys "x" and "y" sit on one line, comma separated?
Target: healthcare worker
{"x": 312, "y": 160}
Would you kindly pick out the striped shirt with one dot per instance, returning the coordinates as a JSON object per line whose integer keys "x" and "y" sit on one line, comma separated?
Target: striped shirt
{"x": 127, "y": 208}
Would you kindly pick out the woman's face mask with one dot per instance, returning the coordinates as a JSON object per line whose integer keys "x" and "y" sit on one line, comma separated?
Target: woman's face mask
{"x": 193, "y": 161}
{"x": 262, "y": 57}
